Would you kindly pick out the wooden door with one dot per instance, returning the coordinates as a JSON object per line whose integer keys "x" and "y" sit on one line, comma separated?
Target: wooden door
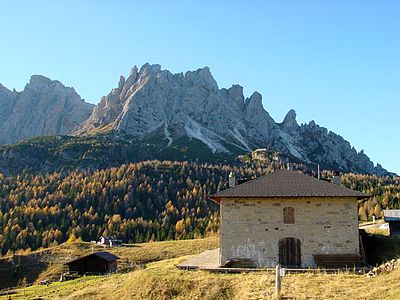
{"x": 289, "y": 252}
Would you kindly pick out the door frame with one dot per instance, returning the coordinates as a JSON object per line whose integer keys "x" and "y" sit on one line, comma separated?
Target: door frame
{"x": 289, "y": 254}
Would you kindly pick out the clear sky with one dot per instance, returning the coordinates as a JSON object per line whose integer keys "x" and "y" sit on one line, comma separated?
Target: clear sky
{"x": 335, "y": 62}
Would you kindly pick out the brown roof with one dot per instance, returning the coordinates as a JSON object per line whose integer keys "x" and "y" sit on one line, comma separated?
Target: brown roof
{"x": 283, "y": 184}
{"x": 104, "y": 255}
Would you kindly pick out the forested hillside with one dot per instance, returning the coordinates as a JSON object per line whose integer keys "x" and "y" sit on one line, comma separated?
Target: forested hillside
{"x": 139, "y": 202}
{"x": 100, "y": 151}
{"x": 151, "y": 200}
{"x": 385, "y": 192}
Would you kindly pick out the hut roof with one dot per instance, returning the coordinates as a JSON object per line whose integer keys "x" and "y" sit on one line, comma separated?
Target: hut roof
{"x": 285, "y": 184}
{"x": 104, "y": 255}
{"x": 392, "y": 215}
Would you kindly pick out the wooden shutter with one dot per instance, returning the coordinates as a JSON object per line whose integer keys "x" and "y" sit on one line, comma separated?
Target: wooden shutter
{"x": 288, "y": 215}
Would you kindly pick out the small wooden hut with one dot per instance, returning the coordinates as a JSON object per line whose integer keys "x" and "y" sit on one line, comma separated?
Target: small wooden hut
{"x": 95, "y": 263}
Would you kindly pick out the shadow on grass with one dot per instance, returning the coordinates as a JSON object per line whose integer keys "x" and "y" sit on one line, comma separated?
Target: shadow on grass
{"x": 20, "y": 270}
{"x": 381, "y": 248}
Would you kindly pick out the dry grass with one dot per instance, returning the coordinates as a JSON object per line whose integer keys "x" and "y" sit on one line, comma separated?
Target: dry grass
{"x": 161, "y": 280}
{"x": 377, "y": 231}
{"x": 49, "y": 263}
{"x": 341, "y": 286}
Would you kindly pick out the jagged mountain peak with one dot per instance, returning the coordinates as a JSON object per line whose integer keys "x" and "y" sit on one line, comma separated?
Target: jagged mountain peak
{"x": 5, "y": 92}
{"x": 202, "y": 77}
{"x": 134, "y": 71}
{"x": 121, "y": 82}
{"x": 236, "y": 88}
{"x": 155, "y": 104}
{"x": 255, "y": 100}
{"x": 290, "y": 122}
{"x": 2, "y": 87}
{"x": 42, "y": 84}
{"x": 235, "y": 95}
{"x": 148, "y": 69}
{"x": 40, "y": 79}
{"x": 290, "y": 117}
{"x": 178, "y": 105}
{"x": 312, "y": 124}
{"x": 44, "y": 107}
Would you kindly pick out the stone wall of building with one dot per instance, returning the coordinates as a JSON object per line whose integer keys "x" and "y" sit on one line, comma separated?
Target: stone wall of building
{"x": 252, "y": 228}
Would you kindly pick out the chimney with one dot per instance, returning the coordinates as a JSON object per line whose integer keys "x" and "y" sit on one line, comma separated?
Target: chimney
{"x": 336, "y": 178}
{"x": 232, "y": 180}
{"x": 290, "y": 167}
{"x": 319, "y": 173}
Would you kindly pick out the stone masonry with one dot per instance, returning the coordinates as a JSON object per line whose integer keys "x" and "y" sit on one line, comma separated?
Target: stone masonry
{"x": 252, "y": 227}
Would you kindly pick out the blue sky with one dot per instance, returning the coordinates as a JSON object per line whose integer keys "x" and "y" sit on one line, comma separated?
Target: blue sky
{"x": 335, "y": 62}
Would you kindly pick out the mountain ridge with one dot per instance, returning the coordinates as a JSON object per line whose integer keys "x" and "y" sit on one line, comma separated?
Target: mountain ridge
{"x": 152, "y": 103}
{"x": 191, "y": 104}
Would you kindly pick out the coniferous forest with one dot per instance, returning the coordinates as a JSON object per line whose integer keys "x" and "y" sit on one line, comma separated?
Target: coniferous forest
{"x": 138, "y": 202}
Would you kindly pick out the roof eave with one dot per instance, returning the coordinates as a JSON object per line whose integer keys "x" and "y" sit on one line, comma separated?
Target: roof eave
{"x": 217, "y": 199}
{"x": 92, "y": 254}
{"x": 364, "y": 197}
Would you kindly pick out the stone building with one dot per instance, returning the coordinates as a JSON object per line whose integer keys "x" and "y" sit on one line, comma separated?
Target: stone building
{"x": 109, "y": 241}
{"x": 289, "y": 218}
{"x": 259, "y": 154}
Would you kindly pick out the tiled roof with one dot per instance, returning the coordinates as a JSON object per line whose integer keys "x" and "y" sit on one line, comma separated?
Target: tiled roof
{"x": 285, "y": 184}
{"x": 107, "y": 256}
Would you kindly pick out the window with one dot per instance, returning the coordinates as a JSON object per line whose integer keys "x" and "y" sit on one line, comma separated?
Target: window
{"x": 288, "y": 215}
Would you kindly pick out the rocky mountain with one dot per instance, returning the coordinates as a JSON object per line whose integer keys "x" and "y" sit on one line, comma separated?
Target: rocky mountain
{"x": 156, "y": 104}
{"x": 154, "y": 100}
{"x": 44, "y": 107}
{"x": 179, "y": 115}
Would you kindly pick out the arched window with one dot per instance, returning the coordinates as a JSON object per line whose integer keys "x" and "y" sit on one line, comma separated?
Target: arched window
{"x": 288, "y": 215}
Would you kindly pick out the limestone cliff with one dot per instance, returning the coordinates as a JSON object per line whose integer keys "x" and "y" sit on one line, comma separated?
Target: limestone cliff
{"x": 155, "y": 106}
{"x": 44, "y": 107}
{"x": 155, "y": 102}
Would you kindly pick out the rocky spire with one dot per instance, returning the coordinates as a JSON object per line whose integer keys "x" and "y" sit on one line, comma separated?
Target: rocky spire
{"x": 235, "y": 96}
{"x": 202, "y": 78}
{"x": 148, "y": 69}
{"x": 289, "y": 122}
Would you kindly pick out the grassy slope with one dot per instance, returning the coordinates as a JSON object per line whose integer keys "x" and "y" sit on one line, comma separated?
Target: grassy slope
{"x": 49, "y": 263}
{"x": 161, "y": 280}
